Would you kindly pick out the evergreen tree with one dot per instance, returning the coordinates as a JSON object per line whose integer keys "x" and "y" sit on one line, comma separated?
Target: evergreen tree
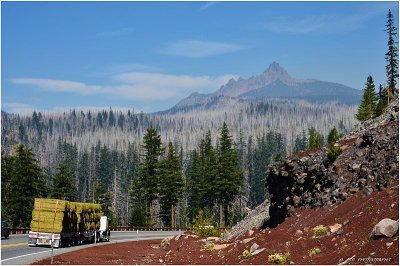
{"x": 105, "y": 166}
{"x": 171, "y": 185}
{"x": 333, "y": 136}
{"x": 103, "y": 197}
{"x": 7, "y": 167}
{"x": 367, "y": 106}
{"x": 23, "y": 137}
{"x": 333, "y": 151}
{"x": 315, "y": 140}
{"x": 195, "y": 185}
{"x": 278, "y": 144}
{"x": 392, "y": 63}
{"x": 63, "y": 185}
{"x": 229, "y": 176}
{"x": 83, "y": 177}
{"x": 269, "y": 147}
{"x": 209, "y": 161}
{"x": 202, "y": 174}
{"x": 148, "y": 173}
{"x": 138, "y": 216}
{"x": 26, "y": 182}
{"x": 262, "y": 156}
{"x": 382, "y": 101}
{"x": 300, "y": 143}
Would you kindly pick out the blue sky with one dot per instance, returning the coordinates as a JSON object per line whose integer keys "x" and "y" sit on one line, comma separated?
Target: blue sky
{"x": 150, "y": 55}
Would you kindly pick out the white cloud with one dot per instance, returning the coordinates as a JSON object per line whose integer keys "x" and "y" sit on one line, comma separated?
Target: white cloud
{"x": 149, "y": 85}
{"x": 115, "y": 69}
{"x": 59, "y": 85}
{"x": 199, "y": 49}
{"x": 18, "y": 108}
{"x": 329, "y": 23}
{"x": 127, "y": 67}
{"x": 208, "y": 5}
{"x": 142, "y": 86}
{"x": 291, "y": 25}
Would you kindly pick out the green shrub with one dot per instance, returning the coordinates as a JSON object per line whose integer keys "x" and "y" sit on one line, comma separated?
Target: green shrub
{"x": 202, "y": 226}
{"x": 333, "y": 153}
{"x": 247, "y": 254}
{"x": 165, "y": 243}
{"x": 208, "y": 246}
{"x": 314, "y": 251}
{"x": 320, "y": 230}
{"x": 207, "y": 231}
{"x": 278, "y": 258}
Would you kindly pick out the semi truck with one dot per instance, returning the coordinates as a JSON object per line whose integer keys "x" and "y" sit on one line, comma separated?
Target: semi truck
{"x": 61, "y": 223}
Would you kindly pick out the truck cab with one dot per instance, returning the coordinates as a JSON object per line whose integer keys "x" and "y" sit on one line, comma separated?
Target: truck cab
{"x": 104, "y": 232}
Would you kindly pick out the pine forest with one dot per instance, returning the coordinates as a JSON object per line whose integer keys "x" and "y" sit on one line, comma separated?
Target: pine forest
{"x": 161, "y": 169}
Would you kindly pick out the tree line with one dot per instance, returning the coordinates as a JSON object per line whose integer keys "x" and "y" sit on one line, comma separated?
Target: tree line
{"x": 153, "y": 184}
{"x": 374, "y": 103}
{"x": 157, "y": 184}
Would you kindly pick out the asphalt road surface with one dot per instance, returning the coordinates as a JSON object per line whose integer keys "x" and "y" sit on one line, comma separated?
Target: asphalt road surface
{"x": 15, "y": 250}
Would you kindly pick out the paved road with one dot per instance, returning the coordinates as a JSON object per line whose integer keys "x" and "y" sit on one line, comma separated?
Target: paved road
{"x": 15, "y": 250}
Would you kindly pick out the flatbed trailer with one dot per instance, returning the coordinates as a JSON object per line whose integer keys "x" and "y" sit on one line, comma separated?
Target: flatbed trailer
{"x": 66, "y": 229}
{"x": 63, "y": 239}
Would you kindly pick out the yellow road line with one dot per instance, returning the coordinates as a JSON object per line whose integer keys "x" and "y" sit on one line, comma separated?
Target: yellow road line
{"x": 118, "y": 236}
{"x": 14, "y": 245}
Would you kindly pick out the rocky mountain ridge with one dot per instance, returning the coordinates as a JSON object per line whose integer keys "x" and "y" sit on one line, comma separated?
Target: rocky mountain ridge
{"x": 275, "y": 82}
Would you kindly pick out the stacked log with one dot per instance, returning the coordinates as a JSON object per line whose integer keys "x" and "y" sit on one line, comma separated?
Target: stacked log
{"x": 62, "y": 216}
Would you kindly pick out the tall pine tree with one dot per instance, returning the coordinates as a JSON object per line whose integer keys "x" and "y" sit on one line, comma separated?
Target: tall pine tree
{"x": 201, "y": 177}
{"x": 392, "y": 54}
{"x": 25, "y": 183}
{"x": 148, "y": 173}
{"x": 367, "y": 107}
{"x": 138, "y": 215}
{"x": 229, "y": 175}
{"x": 63, "y": 185}
{"x": 171, "y": 185}
{"x": 195, "y": 185}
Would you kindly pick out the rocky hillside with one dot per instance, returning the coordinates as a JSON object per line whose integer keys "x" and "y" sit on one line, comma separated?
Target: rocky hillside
{"x": 369, "y": 160}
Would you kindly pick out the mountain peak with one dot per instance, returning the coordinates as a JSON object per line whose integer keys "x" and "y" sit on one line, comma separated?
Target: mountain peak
{"x": 275, "y": 82}
{"x": 275, "y": 71}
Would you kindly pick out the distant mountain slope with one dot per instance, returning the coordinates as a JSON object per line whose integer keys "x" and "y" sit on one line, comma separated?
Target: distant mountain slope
{"x": 312, "y": 91}
{"x": 274, "y": 82}
{"x": 201, "y": 101}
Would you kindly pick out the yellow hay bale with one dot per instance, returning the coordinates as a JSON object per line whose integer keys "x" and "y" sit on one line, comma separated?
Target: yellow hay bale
{"x": 52, "y": 215}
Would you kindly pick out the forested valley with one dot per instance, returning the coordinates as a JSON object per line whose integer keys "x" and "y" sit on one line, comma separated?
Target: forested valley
{"x": 158, "y": 169}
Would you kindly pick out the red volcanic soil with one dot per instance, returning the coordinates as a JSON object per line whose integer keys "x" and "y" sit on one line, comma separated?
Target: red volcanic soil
{"x": 357, "y": 215}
